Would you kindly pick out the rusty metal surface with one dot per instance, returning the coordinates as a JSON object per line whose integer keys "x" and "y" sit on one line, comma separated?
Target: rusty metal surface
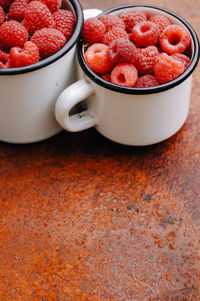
{"x": 83, "y": 218}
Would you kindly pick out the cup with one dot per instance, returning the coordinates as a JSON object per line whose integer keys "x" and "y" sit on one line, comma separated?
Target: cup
{"x": 29, "y": 94}
{"x": 130, "y": 116}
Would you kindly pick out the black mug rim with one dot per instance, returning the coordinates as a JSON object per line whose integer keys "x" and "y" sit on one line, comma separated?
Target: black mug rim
{"x": 151, "y": 90}
{"x": 51, "y": 59}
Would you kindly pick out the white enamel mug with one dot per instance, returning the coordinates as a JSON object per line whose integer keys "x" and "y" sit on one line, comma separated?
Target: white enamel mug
{"x": 28, "y": 94}
{"x": 131, "y": 116}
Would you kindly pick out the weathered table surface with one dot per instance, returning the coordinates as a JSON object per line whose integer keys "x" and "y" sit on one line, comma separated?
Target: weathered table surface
{"x": 83, "y": 218}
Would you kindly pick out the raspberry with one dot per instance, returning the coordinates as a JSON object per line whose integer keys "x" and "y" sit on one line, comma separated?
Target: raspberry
{"x": 17, "y": 9}
{"x": 37, "y": 16}
{"x": 2, "y": 15}
{"x": 174, "y": 39}
{"x": 146, "y": 81}
{"x": 53, "y": 5}
{"x": 97, "y": 58}
{"x": 161, "y": 21}
{"x": 124, "y": 74}
{"x": 146, "y": 33}
{"x": 106, "y": 77}
{"x": 114, "y": 34}
{"x": 2, "y": 65}
{"x": 6, "y": 65}
{"x": 93, "y": 30}
{"x": 130, "y": 35}
{"x": 122, "y": 50}
{"x": 23, "y": 57}
{"x": 5, "y": 4}
{"x": 4, "y": 57}
{"x": 167, "y": 68}
{"x": 132, "y": 17}
{"x": 146, "y": 59}
{"x": 182, "y": 58}
{"x": 111, "y": 21}
{"x": 65, "y": 22}
{"x": 13, "y": 33}
{"x": 48, "y": 41}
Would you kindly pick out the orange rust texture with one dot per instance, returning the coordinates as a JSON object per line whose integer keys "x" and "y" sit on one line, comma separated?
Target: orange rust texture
{"x": 83, "y": 218}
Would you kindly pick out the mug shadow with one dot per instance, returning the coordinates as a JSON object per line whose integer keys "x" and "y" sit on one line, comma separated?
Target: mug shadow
{"x": 91, "y": 142}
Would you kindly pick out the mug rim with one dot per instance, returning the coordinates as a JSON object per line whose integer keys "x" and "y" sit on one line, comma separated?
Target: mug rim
{"x": 150, "y": 90}
{"x": 60, "y": 53}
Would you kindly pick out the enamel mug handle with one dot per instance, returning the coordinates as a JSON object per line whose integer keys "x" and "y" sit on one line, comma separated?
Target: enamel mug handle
{"x": 91, "y": 13}
{"x": 71, "y": 96}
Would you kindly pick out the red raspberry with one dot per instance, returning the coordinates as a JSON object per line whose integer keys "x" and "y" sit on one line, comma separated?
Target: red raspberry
{"x": 17, "y": 9}
{"x": 182, "y": 58}
{"x": 4, "y": 57}
{"x": 122, "y": 50}
{"x": 161, "y": 21}
{"x": 53, "y": 5}
{"x": 98, "y": 59}
{"x": 2, "y": 65}
{"x": 48, "y": 41}
{"x": 111, "y": 21}
{"x": 174, "y": 39}
{"x": 23, "y": 57}
{"x": 37, "y": 16}
{"x": 167, "y": 68}
{"x": 124, "y": 74}
{"x": 114, "y": 34}
{"x": 5, "y": 4}
{"x": 146, "y": 81}
{"x": 130, "y": 36}
{"x": 2, "y": 15}
{"x": 132, "y": 17}
{"x": 106, "y": 77}
{"x": 13, "y": 33}
{"x": 65, "y": 22}
{"x": 146, "y": 33}
{"x": 6, "y": 65}
{"x": 93, "y": 30}
{"x": 146, "y": 59}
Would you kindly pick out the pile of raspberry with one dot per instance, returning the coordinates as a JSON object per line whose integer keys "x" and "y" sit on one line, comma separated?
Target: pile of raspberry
{"x": 32, "y": 30}
{"x": 133, "y": 49}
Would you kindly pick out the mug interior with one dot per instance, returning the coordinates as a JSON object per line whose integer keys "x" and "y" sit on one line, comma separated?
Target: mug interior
{"x": 75, "y": 7}
{"x": 149, "y": 10}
